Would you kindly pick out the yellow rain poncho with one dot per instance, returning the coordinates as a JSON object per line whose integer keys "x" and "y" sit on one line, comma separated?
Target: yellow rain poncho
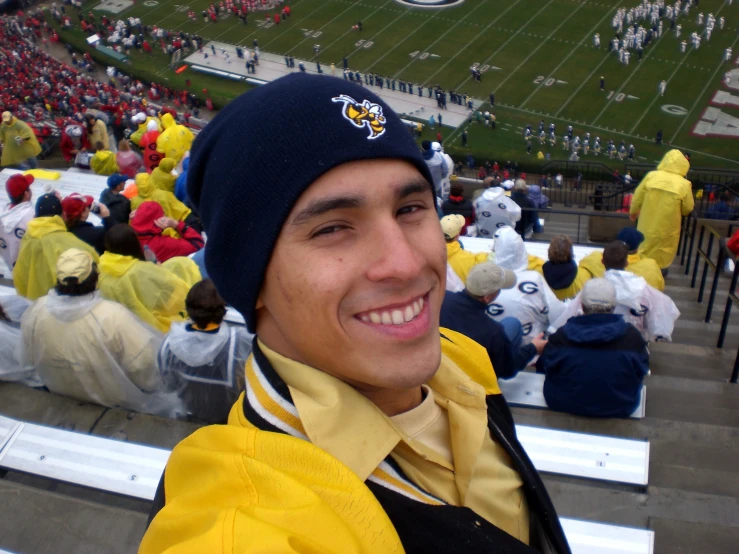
{"x": 660, "y": 201}
{"x": 136, "y": 135}
{"x": 147, "y": 191}
{"x": 643, "y": 267}
{"x": 185, "y": 269}
{"x": 161, "y": 177}
{"x": 19, "y": 143}
{"x": 45, "y": 239}
{"x": 175, "y": 140}
{"x": 103, "y": 163}
{"x": 460, "y": 262}
{"x": 154, "y": 294}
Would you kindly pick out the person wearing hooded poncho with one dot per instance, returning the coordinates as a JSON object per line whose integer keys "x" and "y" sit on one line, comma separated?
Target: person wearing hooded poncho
{"x": 531, "y": 301}
{"x": 650, "y": 311}
{"x": 154, "y": 294}
{"x": 162, "y": 176}
{"x": 13, "y": 366}
{"x": 149, "y": 222}
{"x": 91, "y": 349}
{"x": 20, "y": 145}
{"x": 42, "y": 244}
{"x": 561, "y": 272}
{"x": 147, "y": 191}
{"x": 143, "y": 120}
{"x": 129, "y": 162}
{"x": 175, "y": 140}
{"x": 494, "y": 210}
{"x": 662, "y": 198}
{"x": 148, "y": 145}
{"x": 203, "y": 360}
{"x": 104, "y": 160}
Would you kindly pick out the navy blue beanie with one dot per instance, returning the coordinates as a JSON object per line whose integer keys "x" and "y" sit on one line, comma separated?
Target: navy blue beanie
{"x": 249, "y": 166}
{"x": 631, "y": 237}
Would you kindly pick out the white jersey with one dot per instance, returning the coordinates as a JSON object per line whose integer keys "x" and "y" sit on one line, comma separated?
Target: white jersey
{"x": 494, "y": 210}
{"x": 646, "y": 308}
{"x": 531, "y": 301}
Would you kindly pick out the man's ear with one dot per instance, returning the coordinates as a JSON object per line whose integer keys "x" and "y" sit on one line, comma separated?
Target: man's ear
{"x": 260, "y": 302}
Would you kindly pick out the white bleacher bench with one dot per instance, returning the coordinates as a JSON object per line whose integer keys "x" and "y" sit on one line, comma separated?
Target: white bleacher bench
{"x": 253, "y": 81}
{"x": 589, "y": 456}
{"x": 218, "y": 72}
{"x": 134, "y": 470}
{"x": 527, "y": 389}
{"x": 540, "y": 249}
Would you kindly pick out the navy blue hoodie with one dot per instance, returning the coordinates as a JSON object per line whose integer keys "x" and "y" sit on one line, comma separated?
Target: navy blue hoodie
{"x": 595, "y": 365}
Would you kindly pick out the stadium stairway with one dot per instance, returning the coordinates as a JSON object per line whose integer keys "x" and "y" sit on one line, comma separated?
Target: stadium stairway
{"x": 692, "y": 423}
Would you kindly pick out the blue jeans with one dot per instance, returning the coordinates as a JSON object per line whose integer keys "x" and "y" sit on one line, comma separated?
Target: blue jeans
{"x": 513, "y": 330}
{"x": 30, "y": 163}
{"x": 199, "y": 259}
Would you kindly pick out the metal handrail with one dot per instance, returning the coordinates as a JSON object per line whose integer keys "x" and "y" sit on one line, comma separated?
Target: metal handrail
{"x": 707, "y": 262}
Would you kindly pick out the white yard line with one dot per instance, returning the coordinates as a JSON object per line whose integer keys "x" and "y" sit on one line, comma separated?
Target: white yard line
{"x": 484, "y": 30}
{"x": 373, "y": 37}
{"x": 542, "y": 43}
{"x": 585, "y": 81}
{"x": 449, "y": 30}
{"x": 698, "y": 99}
{"x": 319, "y": 29}
{"x": 589, "y": 34}
{"x": 350, "y": 30}
{"x": 491, "y": 56}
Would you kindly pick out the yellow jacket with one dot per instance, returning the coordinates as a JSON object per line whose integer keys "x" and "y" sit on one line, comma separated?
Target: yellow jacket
{"x": 660, "y": 200}
{"x": 161, "y": 176}
{"x": 99, "y": 133}
{"x": 175, "y": 140}
{"x": 185, "y": 269}
{"x": 14, "y": 152}
{"x": 150, "y": 291}
{"x": 643, "y": 267}
{"x": 535, "y": 263}
{"x": 45, "y": 239}
{"x": 462, "y": 261}
{"x": 103, "y": 163}
{"x": 147, "y": 191}
{"x": 142, "y": 128}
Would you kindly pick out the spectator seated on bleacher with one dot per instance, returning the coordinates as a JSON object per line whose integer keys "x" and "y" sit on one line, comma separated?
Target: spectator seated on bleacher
{"x": 147, "y": 191}
{"x": 459, "y": 205}
{"x": 561, "y": 272}
{"x": 722, "y": 209}
{"x": 465, "y": 313}
{"x": 91, "y": 349}
{"x": 15, "y": 216}
{"x": 646, "y": 308}
{"x": 119, "y": 207}
{"x": 103, "y": 161}
{"x": 149, "y": 222}
{"x": 175, "y": 140}
{"x": 637, "y": 264}
{"x": 525, "y": 225}
{"x": 531, "y": 302}
{"x": 97, "y": 131}
{"x": 203, "y": 360}
{"x": 76, "y": 209}
{"x": 541, "y": 201}
{"x": 42, "y": 244}
{"x": 130, "y": 163}
{"x": 185, "y": 268}
{"x": 73, "y": 141}
{"x": 493, "y": 210}
{"x": 148, "y": 145}
{"x": 150, "y": 291}
{"x": 162, "y": 177}
{"x": 431, "y": 152}
{"x": 180, "y": 185}
{"x": 595, "y": 364}
{"x": 12, "y": 365}
{"x": 459, "y": 260}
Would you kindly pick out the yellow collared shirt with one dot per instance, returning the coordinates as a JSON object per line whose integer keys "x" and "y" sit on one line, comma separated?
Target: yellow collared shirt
{"x": 342, "y": 422}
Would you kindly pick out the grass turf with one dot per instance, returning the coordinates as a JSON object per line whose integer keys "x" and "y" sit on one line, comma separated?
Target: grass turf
{"x": 549, "y": 68}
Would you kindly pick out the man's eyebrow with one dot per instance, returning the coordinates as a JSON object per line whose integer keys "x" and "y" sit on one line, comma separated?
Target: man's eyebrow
{"x": 418, "y": 186}
{"x": 323, "y": 205}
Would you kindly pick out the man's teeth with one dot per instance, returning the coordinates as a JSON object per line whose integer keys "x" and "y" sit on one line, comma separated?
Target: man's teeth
{"x": 395, "y": 317}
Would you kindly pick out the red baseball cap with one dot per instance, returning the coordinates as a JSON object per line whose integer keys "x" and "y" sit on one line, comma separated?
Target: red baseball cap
{"x": 17, "y": 185}
{"x": 74, "y": 204}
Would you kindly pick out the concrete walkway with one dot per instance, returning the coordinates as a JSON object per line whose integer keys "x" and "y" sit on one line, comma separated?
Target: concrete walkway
{"x": 272, "y": 66}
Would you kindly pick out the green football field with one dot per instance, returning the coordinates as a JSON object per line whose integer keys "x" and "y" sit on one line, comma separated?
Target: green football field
{"x": 537, "y": 56}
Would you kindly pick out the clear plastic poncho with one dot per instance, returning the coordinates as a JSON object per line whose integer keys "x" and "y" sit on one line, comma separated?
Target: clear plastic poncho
{"x": 646, "y": 308}
{"x": 206, "y": 369}
{"x": 531, "y": 301}
{"x": 94, "y": 350}
{"x": 12, "y": 366}
{"x": 494, "y": 210}
{"x": 150, "y": 291}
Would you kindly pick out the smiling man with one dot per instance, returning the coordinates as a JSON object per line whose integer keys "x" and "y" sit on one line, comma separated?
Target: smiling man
{"x": 364, "y": 428}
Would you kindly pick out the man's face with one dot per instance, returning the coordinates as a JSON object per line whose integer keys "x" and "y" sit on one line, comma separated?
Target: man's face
{"x": 356, "y": 280}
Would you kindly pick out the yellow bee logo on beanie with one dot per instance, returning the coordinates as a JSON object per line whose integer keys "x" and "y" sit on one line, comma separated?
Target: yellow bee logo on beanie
{"x": 363, "y": 114}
